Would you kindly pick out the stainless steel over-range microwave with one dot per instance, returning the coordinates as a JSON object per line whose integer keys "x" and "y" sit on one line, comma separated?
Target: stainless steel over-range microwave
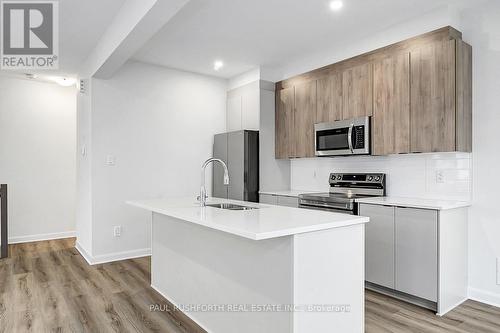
{"x": 344, "y": 137}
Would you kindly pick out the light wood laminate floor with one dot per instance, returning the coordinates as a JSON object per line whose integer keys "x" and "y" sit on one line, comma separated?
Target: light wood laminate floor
{"x": 49, "y": 287}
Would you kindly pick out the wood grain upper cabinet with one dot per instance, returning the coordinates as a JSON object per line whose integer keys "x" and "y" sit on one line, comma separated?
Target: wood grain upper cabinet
{"x": 305, "y": 116}
{"x": 357, "y": 90}
{"x": 391, "y": 107}
{"x": 329, "y": 98}
{"x": 285, "y": 139}
{"x": 433, "y": 99}
{"x": 464, "y": 97}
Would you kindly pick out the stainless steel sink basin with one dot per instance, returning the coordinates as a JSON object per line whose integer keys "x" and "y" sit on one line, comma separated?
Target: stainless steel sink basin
{"x": 231, "y": 206}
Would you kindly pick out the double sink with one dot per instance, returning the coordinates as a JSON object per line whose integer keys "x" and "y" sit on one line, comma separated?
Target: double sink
{"x": 231, "y": 206}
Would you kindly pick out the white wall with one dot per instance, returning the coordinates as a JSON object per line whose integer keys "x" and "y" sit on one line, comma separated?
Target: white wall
{"x": 37, "y": 157}
{"x": 243, "y": 79}
{"x": 414, "y": 175}
{"x": 481, "y": 28}
{"x": 159, "y": 125}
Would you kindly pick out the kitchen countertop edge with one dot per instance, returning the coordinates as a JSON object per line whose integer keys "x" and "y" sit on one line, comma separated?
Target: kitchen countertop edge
{"x": 179, "y": 212}
{"x": 415, "y": 203}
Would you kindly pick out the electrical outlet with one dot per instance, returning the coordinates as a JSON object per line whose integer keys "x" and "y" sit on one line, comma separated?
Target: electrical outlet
{"x": 117, "y": 231}
{"x": 440, "y": 177}
{"x": 110, "y": 160}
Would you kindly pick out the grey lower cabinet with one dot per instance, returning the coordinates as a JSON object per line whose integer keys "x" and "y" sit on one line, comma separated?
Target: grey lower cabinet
{"x": 288, "y": 201}
{"x": 416, "y": 252}
{"x": 269, "y": 199}
{"x": 280, "y": 200}
{"x": 402, "y": 249}
{"x": 379, "y": 245}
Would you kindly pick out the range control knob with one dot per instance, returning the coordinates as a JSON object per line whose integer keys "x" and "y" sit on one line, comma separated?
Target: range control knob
{"x": 370, "y": 178}
{"x": 339, "y": 177}
{"x": 377, "y": 178}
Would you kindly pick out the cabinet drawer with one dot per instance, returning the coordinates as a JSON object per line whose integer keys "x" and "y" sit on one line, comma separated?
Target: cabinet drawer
{"x": 416, "y": 236}
{"x": 288, "y": 201}
{"x": 268, "y": 199}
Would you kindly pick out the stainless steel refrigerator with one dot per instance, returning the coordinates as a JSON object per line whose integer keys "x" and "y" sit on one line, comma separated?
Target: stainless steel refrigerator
{"x": 240, "y": 151}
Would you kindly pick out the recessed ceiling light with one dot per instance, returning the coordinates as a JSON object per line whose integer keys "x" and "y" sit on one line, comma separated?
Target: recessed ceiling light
{"x": 336, "y": 5}
{"x": 218, "y": 65}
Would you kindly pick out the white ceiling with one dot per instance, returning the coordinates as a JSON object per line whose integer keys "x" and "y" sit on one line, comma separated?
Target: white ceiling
{"x": 81, "y": 24}
{"x": 246, "y": 34}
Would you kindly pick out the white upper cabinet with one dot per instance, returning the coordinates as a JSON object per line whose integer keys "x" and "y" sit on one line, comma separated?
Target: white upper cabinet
{"x": 243, "y": 108}
{"x": 233, "y": 116}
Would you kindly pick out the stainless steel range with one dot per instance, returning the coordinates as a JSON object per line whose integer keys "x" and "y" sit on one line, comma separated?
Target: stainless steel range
{"x": 345, "y": 188}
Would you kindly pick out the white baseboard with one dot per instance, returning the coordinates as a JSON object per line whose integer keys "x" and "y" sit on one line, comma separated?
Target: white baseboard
{"x": 117, "y": 256}
{"x": 41, "y": 237}
{"x": 484, "y": 296}
{"x": 83, "y": 252}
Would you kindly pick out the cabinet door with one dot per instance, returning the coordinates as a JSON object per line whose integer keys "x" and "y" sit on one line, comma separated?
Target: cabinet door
{"x": 233, "y": 120}
{"x": 305, "y": 114}
{"x": 464, "y": 97}
{"x": 285, "y": 140}
{"x": 432, "y": 82}
{"x": 329, "y": 100}
{"x": 391, "y": 112}
{"x": 288, "y": 201}
{"x": 379, "y": 244}
{"x": 417, "y": 252}
{"x": 357, "y": 91}
{"x": 250, "y": 109}
{"x": 268, "y": 199}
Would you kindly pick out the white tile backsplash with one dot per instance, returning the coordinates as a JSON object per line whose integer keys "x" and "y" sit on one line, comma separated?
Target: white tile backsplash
{"x": 432, "y": 176}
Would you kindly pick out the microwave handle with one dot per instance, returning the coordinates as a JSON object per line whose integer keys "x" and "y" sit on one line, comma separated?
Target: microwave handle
{"x": 349, "y": 138}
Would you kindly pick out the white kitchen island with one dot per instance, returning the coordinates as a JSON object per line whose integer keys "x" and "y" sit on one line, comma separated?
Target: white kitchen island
{"x": 272, "y": 269}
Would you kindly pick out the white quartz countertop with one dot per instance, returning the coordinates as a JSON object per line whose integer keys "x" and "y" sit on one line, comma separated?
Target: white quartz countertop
{"x": 415, "y": 202}
{"x": 288, "y": 193}
{"x": 267, "y": 222}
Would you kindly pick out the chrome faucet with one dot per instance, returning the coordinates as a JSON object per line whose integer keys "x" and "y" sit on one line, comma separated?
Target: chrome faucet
{"x": 202, "y": 198}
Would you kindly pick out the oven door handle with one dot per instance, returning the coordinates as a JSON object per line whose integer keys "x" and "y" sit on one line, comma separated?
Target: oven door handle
{"x": 349, "y": 138}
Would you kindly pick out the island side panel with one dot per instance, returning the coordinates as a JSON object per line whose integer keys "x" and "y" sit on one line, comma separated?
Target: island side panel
{"x": 194, "y": 265}
{"x": 329, "y": 269}
{"x": 453, "y": 278}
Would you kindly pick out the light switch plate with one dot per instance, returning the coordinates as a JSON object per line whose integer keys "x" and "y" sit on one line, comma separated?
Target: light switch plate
{"x": 440, "y": 177}
{"x": 117, "y": 231}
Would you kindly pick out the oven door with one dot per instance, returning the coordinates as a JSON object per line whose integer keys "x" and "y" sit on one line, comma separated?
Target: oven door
{"x": 346, "y": 137}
